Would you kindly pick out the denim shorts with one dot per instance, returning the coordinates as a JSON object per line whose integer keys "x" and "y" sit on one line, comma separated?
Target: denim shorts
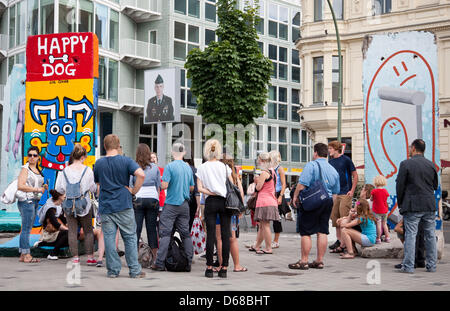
{"x": 365, "y": 242}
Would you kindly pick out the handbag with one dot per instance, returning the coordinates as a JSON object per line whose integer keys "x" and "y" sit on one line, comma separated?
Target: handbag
{"x": 198, "y": 236}
{"x": 313, "y": 197}
{"x": 251, "y": 202}
{"x": 9, "y": 195}
{"x": 233, "y": 201}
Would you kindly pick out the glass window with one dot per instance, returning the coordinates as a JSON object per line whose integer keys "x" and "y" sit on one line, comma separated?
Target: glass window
{"x": 191, "y": 100}
{"x": 335, "y": 79}
{"x": 153, "y": 36}
{"x": 382, "y": 6}
{"x": 304, "y": 138}
{"x": 86, "y": 11}
{"x": 106, "y": 128}
{"x": 180, "y": 31}
{"x": 295, "y": 117}
{"x": 194, "y": 8}
{"x": 283, "y": 55}
{"x": 114, "y": 31}
{"x": 210, "y": 12}
{"x": 273, "y": 11}
{"x": 101, "y": 78}
{"x": 272, "y": 111}
{"x": 338, "y": 6}
{"x": 282, "y": 72}
{"x": 296, "y": 18}
{"x": 47, "y": 16}
{"x": 210, "y": 35}
{"x": 295, "y": 136}
{"x": 295, "y": 74}
{"x": 113, "y": 79}
{"x": 295, "y": 57}
{"x": 194, "y": 35}
{"x": 180, "y": 6}
{"x": 318, "y": 80}
{"x": 282, "y": 112}
{"x": 179, "y": 50}
{"x": 284, "y": 15}
{"x": 274, "y": 70}
{"x": 12, "y": 26}
{"x": 318, "y": 10}
{"x": 67, "y": 16}
{"x": 273, "y": 52}
{"x": 261, "y": 47}
{"x": 273, "y": 29}
{"x": 260, "y": 26}
{"x": 295, "y": 97}
{"x": 295, "y": 153}
{"x": 33, "y": 18}
{"x": 283, "y": 31}
{"x": 282, "y": 94}
{"x": 21, "y": 22}
{"x": 101, "y": 24}
{"x": 273, "y": 93}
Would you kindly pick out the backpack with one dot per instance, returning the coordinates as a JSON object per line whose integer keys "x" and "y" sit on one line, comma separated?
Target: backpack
{"x": 145, "y": 255}
{"x": 75, "y": 202}
{"x": 176, "y": 259}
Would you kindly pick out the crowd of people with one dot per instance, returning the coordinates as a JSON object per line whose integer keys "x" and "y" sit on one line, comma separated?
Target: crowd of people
{"x": 168, "y": 199}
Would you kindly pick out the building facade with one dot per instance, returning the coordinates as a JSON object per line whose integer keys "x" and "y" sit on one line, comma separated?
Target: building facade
{"x": 135, "y": 36}
{"x": 320, "y": 63}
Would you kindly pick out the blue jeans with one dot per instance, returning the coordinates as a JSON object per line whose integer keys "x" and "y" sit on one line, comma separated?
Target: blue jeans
{"x": 28, "y": 211}
{"x": 146, "y": 208}
{"x": 411, "y": 223}
{"x": 125, "y": 221}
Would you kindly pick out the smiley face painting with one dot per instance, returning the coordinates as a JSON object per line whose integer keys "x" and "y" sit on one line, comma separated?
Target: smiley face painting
{"x": 400, "y": 103}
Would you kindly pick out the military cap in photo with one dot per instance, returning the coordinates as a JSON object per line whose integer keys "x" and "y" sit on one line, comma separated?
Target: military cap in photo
{"x": 159, "y": 80}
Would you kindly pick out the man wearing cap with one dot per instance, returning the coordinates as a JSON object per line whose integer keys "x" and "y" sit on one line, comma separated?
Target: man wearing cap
{"x": 178, "y": 179}
{"x": 159, "y": 107}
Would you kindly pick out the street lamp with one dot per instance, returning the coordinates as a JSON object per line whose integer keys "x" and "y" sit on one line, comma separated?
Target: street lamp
{"x": 340, "y": 73}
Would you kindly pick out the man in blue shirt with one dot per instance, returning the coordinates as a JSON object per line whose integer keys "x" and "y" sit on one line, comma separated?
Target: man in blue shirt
{"x": 317, "y": 220}
{"x": 113, "y": 173}
{"x": 348, "y": 178}
{"x": 179, "y": 182}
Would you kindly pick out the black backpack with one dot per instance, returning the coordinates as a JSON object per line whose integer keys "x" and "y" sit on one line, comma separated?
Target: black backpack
{"x": 176, "y": 259}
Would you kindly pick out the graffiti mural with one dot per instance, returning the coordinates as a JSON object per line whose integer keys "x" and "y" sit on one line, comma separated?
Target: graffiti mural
{"x": 400, "y": 104}
{"x": 61, "y": 99}
{"x": 12, "y": 129}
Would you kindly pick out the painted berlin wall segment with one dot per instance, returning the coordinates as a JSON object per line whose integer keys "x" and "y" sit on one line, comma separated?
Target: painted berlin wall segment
{"x": 400, "y": 86}
{"x": 61, "y": 99}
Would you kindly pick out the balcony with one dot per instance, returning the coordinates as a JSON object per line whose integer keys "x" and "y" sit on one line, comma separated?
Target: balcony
{"x": 131, "y": 100}
{"x": 324, "y": 118}
{"x": 140, "y": 54}
{"x": 142, "y": 10}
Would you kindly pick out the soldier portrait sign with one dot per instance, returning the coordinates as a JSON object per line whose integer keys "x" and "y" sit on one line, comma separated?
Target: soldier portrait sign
{"x": 162, "y": 96}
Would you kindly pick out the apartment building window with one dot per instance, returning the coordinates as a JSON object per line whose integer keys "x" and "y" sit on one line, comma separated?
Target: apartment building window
{"x": 279, "y": 58}
{"x": 12, "y": 26}
{"x": 295, "y": 69}
{"x": 272, "y": 103}
{"x": 381, "y": 7}
{"x": 278, "y": 21}
{"x": 67, "y": 16}
{"x": 187, "y": 37}
{"x": 258, "y": 141}
{"x": 210, "y": 10}
{"x": 260, "y": 24}
{"x": 282, "y": 104}
{"x": 318, "y": 80}
{"x": 106, "y": 128}
{"x": 188, "y": 100}
{"x": 296, "y": 16}
{"x": 114, "y": 31}
{"x": 47, "y": 16}
{"x": 108, "y": 81}
{"x": 335, "y": 79}
{"x": 318, "y": 10}
{"x": 191, "y": 7}
{"x": 277, "y": 104}
{"x": 33, "y": 18}
{"x": 21, "y": 23}
{"x": 338, "y": 8}
{"x": 295, "y": 105}
{"x": 86, "y": 13}
{"x": 210, "y": 36}
{"x": 153, "y": 36}
{"x": 295, "y": 145}
{"x": 261, "y": 47}
{"x": 101, "y": 25}
{"x": 271, "y": 138}
{"x": 148, "y": 134}
{"x": 180, "y": 6}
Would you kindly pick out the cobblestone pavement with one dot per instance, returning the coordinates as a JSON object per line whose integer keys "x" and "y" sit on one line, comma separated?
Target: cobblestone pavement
{"x": 265, "y": 272}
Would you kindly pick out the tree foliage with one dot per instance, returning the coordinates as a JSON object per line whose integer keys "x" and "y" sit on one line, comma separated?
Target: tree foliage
{"x": 230, "y": 77}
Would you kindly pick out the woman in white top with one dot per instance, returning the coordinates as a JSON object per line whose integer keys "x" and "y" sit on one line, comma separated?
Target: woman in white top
{"x": 30, "y": 186}
{"x": 212, "y": 182}
{"x": 74, "y": 173}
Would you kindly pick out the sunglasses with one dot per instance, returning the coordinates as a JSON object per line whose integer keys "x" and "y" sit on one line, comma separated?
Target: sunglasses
{"x": 33, "y": 155}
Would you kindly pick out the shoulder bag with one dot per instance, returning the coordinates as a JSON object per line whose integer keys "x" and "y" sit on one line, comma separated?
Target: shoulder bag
{"x": 234, "y": 200}
{"x": 313, "y": 197}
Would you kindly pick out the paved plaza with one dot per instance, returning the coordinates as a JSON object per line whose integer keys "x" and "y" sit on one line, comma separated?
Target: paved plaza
{"x": 265, "y": 273}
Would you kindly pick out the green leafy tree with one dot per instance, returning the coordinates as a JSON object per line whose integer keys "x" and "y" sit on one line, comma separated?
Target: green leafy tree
{"x": 230, "y": 77}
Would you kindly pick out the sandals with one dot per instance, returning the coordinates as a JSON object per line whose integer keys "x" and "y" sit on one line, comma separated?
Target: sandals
{"x": 299, "y": 265}
{"x": 32, "y": 260}
{"x": 338, "y": 250}
{"x": 316, "y": 265}
{"x": 252, "y": 249}
{"x": 263, "y": 252}
{"x": 243, "y": 269}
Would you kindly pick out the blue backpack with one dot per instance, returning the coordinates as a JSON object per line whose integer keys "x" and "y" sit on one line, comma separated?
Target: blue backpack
{"x": 75, "y": 202}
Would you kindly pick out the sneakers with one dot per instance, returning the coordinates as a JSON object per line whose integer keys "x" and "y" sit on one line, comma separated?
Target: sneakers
{"x": 209, "y": 273}
{"x": 91, "y": 262}
{"x": 138, "y": 276}
{"x": 289, "y": 216}
{"x": 50, "y": 257}
{"x": 378, "y": 241}
{"x": 99, "y": 263}
{"x": 275, "y": 245}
